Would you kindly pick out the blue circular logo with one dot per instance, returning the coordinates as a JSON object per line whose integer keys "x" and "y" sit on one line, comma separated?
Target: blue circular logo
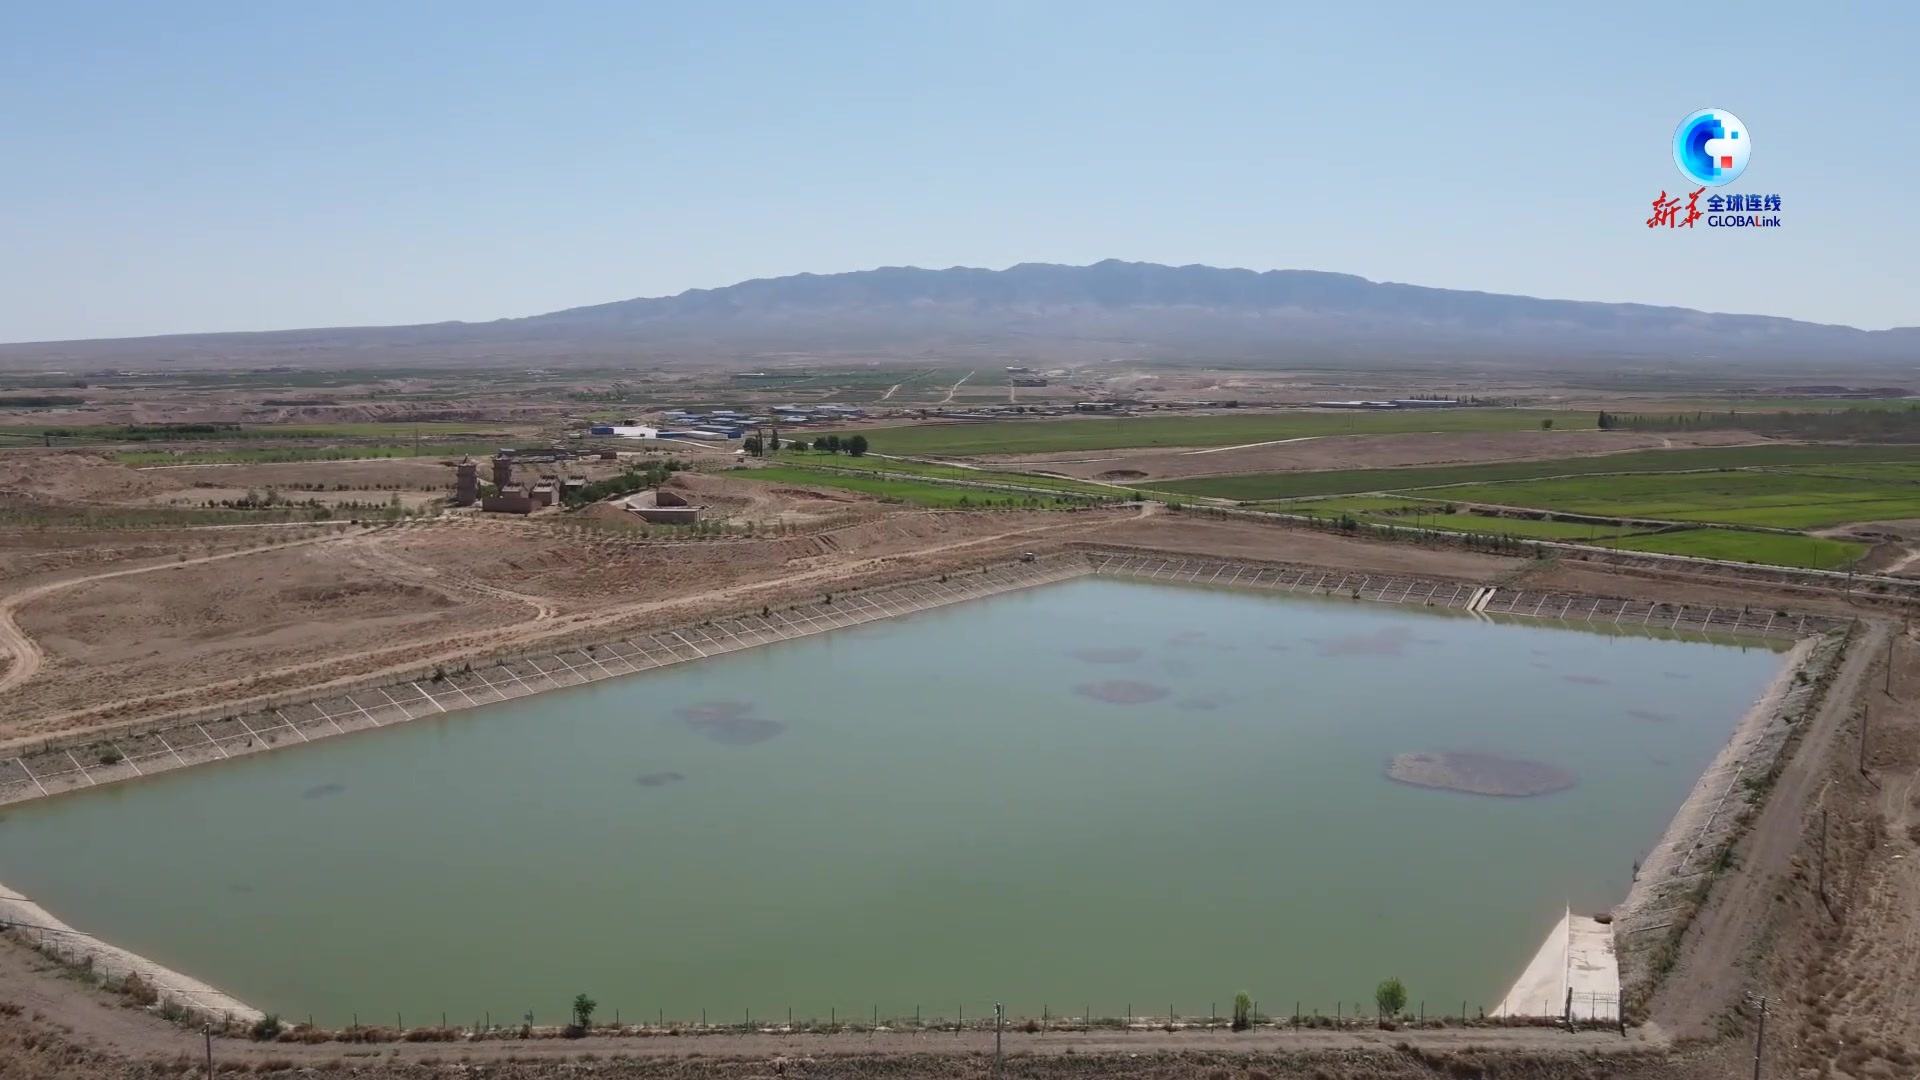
{"x": 1711, "y": 147}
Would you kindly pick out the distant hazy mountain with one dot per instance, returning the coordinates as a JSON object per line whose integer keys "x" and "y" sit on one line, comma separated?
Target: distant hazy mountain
{"x": 1042, "y": 310}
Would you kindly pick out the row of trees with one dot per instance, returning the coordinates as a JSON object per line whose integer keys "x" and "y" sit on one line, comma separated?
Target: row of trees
{"x": 1860, "y": 423}
{"x": 1389, "y": 1001}
{"x": 652, "y": 474}
{"x": 852, "y": 445}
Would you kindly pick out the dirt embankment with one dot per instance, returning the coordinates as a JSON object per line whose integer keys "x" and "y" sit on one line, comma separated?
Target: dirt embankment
{"x": 173, "y": 638}
{"x": 1361, "y": 452}
{"x": 72, "y": 477}
{"x": 1253, "y": 540}
{"x": 197, "y": 635}
{"x": 1836, "y": 950}
{"x": 53, "y": 1027}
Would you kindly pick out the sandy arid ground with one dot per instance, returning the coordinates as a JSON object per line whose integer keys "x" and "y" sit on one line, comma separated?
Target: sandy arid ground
{"x": 110, "y": 626}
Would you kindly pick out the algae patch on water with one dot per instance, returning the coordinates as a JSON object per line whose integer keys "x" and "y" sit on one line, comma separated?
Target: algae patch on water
{"x": 730, "y": 723}
{"x": 1122, "y": 691}
{"x": 1479, "y": 774}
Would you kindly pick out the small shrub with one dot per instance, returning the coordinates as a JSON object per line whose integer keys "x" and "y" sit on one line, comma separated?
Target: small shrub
{"x": 138, "y": 990}
{"x": 1390, "y": 997}
{"x": 1242, "y": 1012}
{"x": 110, "y": 756}
{"x": 266, "y": 1028}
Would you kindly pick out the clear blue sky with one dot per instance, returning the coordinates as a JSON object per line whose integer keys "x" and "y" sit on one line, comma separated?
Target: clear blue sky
{"x": 188, "y": 166}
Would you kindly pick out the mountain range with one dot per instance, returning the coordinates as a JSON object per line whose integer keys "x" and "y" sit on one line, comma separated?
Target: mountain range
{"x": 1111, "y": 309}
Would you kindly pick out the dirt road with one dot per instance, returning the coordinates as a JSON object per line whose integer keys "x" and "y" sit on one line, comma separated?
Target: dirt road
{"x": 1710, "y": 976}
{"x": 540, "y": 625}
{"x": 103, "y": 1022}
{"x": 955, "y": 388}
{"x": 27, "y": 656}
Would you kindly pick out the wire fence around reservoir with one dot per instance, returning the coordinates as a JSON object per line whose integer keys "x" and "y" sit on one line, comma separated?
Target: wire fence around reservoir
{"x": 1578, "y": 1011}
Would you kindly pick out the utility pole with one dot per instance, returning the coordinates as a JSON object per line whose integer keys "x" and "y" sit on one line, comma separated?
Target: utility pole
{"x": 1759, "y": 1036}
{"x": 1866, "y": 713}
{"x": 1823, "y": 854}
{"x": 999, "y": 1023}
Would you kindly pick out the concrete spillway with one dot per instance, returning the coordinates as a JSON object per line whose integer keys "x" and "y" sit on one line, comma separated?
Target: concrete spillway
{"x": 1574, "y": 969}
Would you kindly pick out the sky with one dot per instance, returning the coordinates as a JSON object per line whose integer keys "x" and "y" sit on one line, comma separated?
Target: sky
{"x": 184, "y": 167}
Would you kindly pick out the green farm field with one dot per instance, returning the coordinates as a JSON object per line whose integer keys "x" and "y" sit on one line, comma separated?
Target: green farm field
{"x": 1773, "y": 499}
{"x": 1355, "y": 504}
{"x": 275, "y": 455}
{"x": 1413, "y": 513}
{"x": 1225, "y": 429}
{"x": 1765, "y": 404}
{"x": 870, "y": 463}
{"x": 1777, "y": 549}
{"x": 260, "y": 432}
{"x": 909, "y": 491}
{"x": 1266, "y": 486}
{"x": 1527, "y": 528}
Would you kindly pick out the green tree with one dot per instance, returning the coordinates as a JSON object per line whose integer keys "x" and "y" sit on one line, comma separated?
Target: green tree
{"x": 820, "y": 444}
{"x": 1242, "y": 1011}
{"x": 1390, "y": 997}
{"x": 1546, "y": 425}
{"x": 583, "y": 1007}
{"x": 857, "y": 445}
{"x": 751, "y": 445}
{"x": 833, "y": 444}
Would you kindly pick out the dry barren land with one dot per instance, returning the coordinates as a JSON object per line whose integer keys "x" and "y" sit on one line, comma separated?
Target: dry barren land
{"x": 106, "y": 628}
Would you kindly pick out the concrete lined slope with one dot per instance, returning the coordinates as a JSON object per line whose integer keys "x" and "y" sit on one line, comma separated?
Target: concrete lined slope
{"x": 1576, "y": 958}
{"x": 34, "y": 923}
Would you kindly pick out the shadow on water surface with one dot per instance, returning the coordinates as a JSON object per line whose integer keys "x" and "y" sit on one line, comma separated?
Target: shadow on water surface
{"x": 1387, "y": 641}
{"x": 1122, "y": 691}
{"x": 730, "y": 723}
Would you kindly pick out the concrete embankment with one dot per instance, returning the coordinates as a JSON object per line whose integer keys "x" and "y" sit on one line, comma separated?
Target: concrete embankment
{"x": 1574, "y": 971}
{"x": 35, "y": 924}
{"x": 78, "y": 764}
{"x": 1586, "y": 958}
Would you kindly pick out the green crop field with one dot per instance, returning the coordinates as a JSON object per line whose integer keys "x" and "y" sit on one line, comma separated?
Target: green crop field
{"x": 1413, "y": 513}
{"x": 1782, "y": 404}
{"x": 909, "y": 491}
{"x": 1775, "y": 499}
{"x": 106, "y": 433}
{"x": 1264, "y": 486}
{"x": 869, "y": 463}
{"x": 1529, "y": 528}
{"x": 1359, "y": 504}
{"x": 1219, "y": 429}
{"x": 1899, "y": 472}
{"x": 276, "y": 455}
{"x": 1778, "y": 549}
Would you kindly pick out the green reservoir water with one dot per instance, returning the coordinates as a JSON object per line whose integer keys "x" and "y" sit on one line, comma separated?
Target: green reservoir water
{"x": 926, "y": 812}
